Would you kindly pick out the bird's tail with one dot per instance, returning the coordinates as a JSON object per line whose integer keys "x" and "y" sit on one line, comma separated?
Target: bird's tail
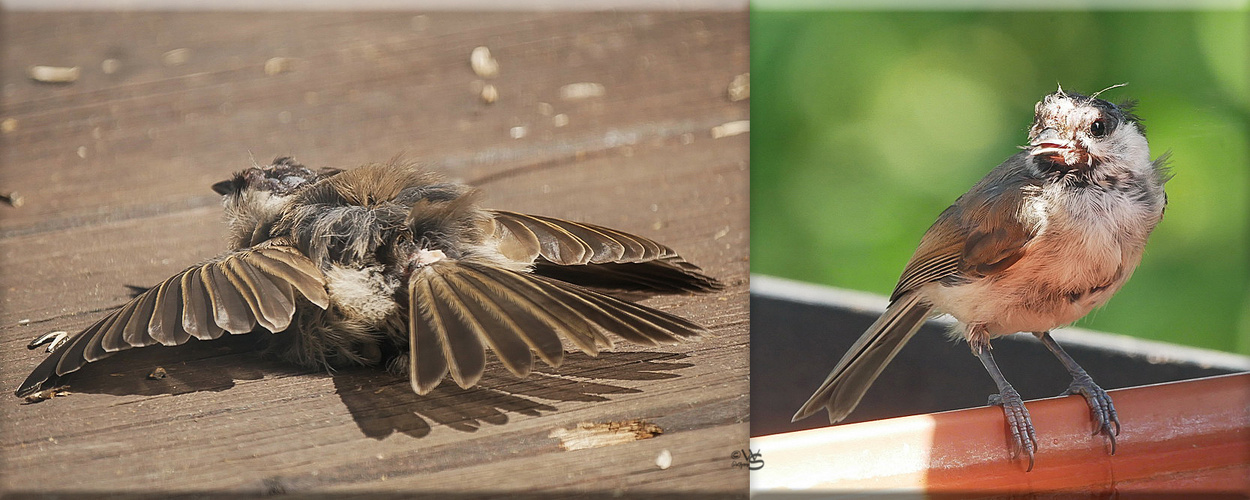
{"x": 861, "y": 365}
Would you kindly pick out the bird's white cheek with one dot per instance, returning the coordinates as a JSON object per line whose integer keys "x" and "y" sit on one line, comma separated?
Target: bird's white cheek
{"x": 1127, "y": 149}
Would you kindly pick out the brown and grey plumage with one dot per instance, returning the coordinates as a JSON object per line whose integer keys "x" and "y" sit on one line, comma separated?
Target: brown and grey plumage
{"x": 389, "y": 265}
{"x": 1044, "y": 238}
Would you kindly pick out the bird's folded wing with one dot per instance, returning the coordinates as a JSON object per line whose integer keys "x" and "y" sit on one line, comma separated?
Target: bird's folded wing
{"x": 936, "y": 258}
{"x": 970, "y": 242}
{"x": 459, "y": 308}
{"x": 234, "y": 293}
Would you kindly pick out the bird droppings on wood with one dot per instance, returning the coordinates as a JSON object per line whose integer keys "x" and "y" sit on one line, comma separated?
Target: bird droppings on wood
{"x": 277, "y": 65}
{"x": 484, "y": 65}
{"x": 489, "y": 94}
{"x": 665, "y": 460}
{"x": 588, "y": 435}
{"x": 14, "y": 199}
{"x": 581, "y": 90}
{"x": 740, "y": 87}
{"x": 54, "y": 74}
{"x": 731, "y": 129}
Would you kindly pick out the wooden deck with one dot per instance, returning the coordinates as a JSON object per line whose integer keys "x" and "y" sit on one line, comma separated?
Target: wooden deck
{"x": 114, "y": 171}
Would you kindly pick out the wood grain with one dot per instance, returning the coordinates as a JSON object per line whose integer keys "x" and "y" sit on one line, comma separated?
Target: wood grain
{"x": 115, "y": 170}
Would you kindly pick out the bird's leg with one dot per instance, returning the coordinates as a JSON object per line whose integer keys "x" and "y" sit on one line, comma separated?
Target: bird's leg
{"x": 1013, "y": 406}
{"x": 1099, "y": 402}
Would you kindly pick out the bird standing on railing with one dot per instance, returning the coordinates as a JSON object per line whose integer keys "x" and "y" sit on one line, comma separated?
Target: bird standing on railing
{"x": 1044, "y": 238}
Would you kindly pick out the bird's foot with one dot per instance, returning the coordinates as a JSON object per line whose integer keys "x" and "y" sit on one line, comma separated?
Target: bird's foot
{"x": 1100, "y": 407}
{"x": 1022, "y": 434}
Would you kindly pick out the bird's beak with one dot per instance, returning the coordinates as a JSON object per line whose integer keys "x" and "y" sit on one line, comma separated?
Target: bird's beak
{"x": 224, "y": 187}
{"x": 1049, "y": 142}
{"x": 1052, "y": 145}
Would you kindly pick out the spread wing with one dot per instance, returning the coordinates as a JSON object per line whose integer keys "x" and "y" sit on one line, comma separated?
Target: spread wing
{"x": 982, "y": 234}
{"x": 596, "y": 256}
{"x": 458, "y": 308}
{"x": 234, "y": 293}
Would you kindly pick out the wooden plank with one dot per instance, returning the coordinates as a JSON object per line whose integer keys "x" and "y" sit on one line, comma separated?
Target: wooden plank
{"x": 115, "y": 168}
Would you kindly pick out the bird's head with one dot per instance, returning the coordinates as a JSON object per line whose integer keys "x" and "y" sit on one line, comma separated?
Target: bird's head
{"x": 1073, "y": 131}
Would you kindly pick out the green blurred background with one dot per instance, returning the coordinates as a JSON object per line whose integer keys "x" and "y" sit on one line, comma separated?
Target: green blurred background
{"x": 866, "y": 125}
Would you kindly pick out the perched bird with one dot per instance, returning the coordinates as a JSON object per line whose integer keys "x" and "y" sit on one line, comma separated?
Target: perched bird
{"x": 1044, "y": 238}
{"x": 389, "y": 265}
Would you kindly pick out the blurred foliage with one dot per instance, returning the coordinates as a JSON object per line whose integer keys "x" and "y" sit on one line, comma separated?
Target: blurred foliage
{"x": 866, "y": 125}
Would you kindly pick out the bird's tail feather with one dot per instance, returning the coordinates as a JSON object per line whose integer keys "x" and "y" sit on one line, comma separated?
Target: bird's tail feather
{"x": 861, "y": 365}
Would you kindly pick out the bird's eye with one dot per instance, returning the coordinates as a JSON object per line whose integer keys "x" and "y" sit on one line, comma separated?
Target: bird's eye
{"x": 1098, "y": 128}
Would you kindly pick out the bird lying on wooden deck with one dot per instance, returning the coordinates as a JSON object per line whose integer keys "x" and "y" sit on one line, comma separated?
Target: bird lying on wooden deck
{"x": 389, "y": 265}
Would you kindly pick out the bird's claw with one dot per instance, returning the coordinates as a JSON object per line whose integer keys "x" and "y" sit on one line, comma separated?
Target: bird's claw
{"x": 1100, "y": 407}
{"x": 1018, "y": 422}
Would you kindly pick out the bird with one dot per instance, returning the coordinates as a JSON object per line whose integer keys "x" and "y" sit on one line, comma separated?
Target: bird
{"x": 390, "y": 265}
{"x": 1044, "y": 238}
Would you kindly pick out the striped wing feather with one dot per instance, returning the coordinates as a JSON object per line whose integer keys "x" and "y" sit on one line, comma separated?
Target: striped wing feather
{"x": 597, "y": 256}
{"x": 232, "y": 294}
{"x": 569, "y": 243}
{"x": 460, "y": 308}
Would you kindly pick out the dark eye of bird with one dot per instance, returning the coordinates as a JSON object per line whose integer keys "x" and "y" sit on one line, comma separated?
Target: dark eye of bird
{"x": 1098, "y": 128}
